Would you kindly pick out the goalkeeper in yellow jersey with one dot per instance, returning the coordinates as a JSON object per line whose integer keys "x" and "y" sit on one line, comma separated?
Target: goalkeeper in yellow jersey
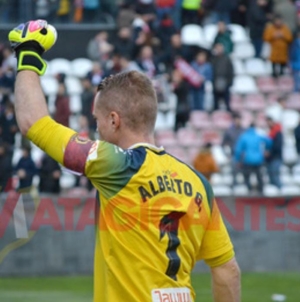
{"x": 156, "y": 216}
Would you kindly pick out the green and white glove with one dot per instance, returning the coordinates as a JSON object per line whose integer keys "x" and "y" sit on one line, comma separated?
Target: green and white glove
{"x": 30, "y": 41}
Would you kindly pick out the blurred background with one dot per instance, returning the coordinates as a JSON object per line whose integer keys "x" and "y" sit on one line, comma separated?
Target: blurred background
{"x": 227, "y": 76}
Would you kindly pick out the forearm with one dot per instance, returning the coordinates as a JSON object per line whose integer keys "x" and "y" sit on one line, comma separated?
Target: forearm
{"x": 226, "y": 282}
{"x": 30, "y": 103}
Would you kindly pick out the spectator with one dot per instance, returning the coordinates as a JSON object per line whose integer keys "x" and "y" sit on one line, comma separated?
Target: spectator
{"x": 147, "y": 62}
{"x": 49, "y": 174}
{"x": 63, "y": 11}
{"x": 297, "y": 138}
{"x": 99, "y": 48}
{"x": 257, "y": 19}
{"x": 5, "y": 168}
{"x": 87, "y": 99}
{"x": 165, "y": 30}
{"x": 274, "y": 153}
{"x": 204, "y": 69}
{"x": 113, "y": 66}
{"x": 62, "y": 106}
{"x": 96, "y": 74}
{"x": 279, "y": 36}
{"x": 230, "y": 139}
{"x": 295, "y": 61}
{"x": 181, "y": 90}
{"x": 126, "y": 14}
{"x": 287, "y": 10}
{"x": 7, "y": 70}
{"x": 8, "y": 126}
{"x": 123, "y": 43}
{"x": 224, "y": 37}
{"x": 219, "y": 10}
{"x": 249, "y": 154}
{"x": 25, "y": 170}
{"x": 205, "y": 162}
{"x": 190, "y": 12}
{"x": 90, "y": 11}
{"x": 164, "y": 7}
{"x": 83, "y": 131}
{"x": 128, "y": 65}
{"x": 222, "y": 76}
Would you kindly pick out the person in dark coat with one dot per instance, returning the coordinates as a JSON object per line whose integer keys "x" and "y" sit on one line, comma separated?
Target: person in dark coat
{"x": 274, "y": 154}
{"x": 224, "y": 37}
{"x": 124, "y": 43}
{"x": 5, "y": 168}
{"x": 257, "y": 19}
{"x": 25, "y": 170}
{"x": 49, "y": 175}
{"x": 223, "y": 74}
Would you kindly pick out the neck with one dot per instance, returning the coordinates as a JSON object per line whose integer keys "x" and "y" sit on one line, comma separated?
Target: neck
{"x": 131, "y": 139}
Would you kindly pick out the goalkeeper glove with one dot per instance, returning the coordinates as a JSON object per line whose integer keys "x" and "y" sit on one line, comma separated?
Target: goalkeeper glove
{"x": 30, "y": 41}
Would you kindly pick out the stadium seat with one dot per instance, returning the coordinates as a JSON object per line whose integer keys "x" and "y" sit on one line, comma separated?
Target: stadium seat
{"x": 239, "y": 67}
{"x": 192, "y": 34}
{"x": 293, "y": 101}
{"x": 221, "y": 119}
{"x": 243, "y": 51}
{"x": 285, "y": 84}
{"x": 73, "y": 85}
{"x": 81, "y": 67}
{"x": 165, "y": 138}
{"x": 290, "y": 119}
{"x": 270, "y": 190}
{"x": 200, "y": 119}
{"x": 254, "y": 102}
{"x": 222, "y": 190}
{"x": 266, "y": 84}
{"x": 289, "y": 154}
{"x": 236, "y": 102}
{"x": 217, "y": 179}
{"x": 290, "y": 190}
{"x": 260, "y": 120}
{"x": 192, "y": 153}
{"x": 210, "y": 31}
{"x": 60, "y": 65}
{"x": 246, "y": 118}
{"x": 75, "y": 103}
{"x": 187, "y": 137}
{"x": 67, "y": 180}
{"x": 256, "y": 67}
{"x": 179, "y": 153}
{"x": 244, "y": 85}
{"x": 17, "y": 154}
{"x": 74, "y": 122}
{"x": 296, "y": 174}
{"x": 49, "y": 85}
{"x": 238, "y": 33}
{"x": 287, "y": 179}
{"x": 240, "y": 190}
{"x": 219, "y": 155}
{"x": 210, "y": 136}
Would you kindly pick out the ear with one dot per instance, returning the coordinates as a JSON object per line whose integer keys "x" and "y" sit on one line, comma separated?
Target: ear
{"x": 114, "y": 120}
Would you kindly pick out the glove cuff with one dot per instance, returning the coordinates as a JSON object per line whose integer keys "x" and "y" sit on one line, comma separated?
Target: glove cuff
{"x": 31, "y": 60}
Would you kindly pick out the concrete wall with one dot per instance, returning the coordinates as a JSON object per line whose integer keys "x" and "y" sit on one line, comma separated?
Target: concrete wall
{"x": 252, "y": 224}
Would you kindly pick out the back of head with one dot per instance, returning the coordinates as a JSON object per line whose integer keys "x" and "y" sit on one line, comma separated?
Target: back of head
{"x": 132, "y": 96}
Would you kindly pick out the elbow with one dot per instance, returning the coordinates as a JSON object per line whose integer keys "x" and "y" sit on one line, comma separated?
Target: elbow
{"x": 24, "y": 126}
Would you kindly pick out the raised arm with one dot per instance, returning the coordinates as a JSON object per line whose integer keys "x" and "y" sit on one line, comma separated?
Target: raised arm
{"x": 30, "y": 103}
{"x": 226, "y": 282}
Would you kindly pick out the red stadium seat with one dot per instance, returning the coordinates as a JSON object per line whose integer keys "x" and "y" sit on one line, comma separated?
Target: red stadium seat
{"x": 254, "y": 102}
{"x": 266, "y": 84}
{"x": 285, "y": 84}
{"x": 246, "y": 118}
{"x": 187, "y": 137}
{"x": 236, "y": 102}
{"x": 293, "y": 101}
{"x": 210, "y": 136}
{"x": 200, "y": 119}
{"x": 179, "y": 153}
{"x": 221, "y": 119}
{"x": 165, "y": 138}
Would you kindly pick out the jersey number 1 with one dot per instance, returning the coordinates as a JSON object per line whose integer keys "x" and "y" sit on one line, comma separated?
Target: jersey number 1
{"x": 169, "y": 225}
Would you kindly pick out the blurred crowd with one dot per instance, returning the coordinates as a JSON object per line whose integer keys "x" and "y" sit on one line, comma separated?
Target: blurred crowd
{"x": 148, "y": 39}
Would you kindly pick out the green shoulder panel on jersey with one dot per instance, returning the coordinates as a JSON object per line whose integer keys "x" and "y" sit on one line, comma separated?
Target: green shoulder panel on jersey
{"x": 110, "y": 168}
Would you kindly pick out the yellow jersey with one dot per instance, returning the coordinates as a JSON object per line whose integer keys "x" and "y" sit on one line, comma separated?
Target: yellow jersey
{"x": 157, "y": 216}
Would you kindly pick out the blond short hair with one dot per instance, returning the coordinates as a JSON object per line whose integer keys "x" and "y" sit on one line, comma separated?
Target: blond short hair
{"x": 132, "y": 95}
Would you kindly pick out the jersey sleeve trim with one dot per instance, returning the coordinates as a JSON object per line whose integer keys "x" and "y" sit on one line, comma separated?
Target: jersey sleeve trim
{"x": 220, "y": 260}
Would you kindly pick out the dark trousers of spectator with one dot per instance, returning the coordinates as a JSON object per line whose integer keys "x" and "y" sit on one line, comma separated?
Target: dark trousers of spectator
{"x": 189, "y": 17}
{"x": 197, "y": 98}
{"x": 225, "y": 96}
{"x": 258, "y": 46}
{"x": 256, "y": 170}
{"x": 278, "y": 69}
{"x": 181, "y": 119}
{"x": 273, "y": 168}
{"x": 296, "y": 77}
